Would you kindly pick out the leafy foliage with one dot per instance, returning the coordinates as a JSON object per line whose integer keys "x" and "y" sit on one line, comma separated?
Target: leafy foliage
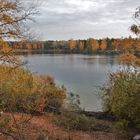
{"x": 71, "y": 120}
{"x": 121, "y": 98}
{"x": 21, "y": 91}
{"x": 135, "y": 28}
{"x": 75, "y": 121}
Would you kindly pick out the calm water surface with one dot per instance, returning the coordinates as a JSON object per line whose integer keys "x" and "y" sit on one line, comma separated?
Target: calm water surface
{"x": 81, "y": 74}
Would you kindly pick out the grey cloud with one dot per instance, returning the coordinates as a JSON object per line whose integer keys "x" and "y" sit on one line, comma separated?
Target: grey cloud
{"x": 65, "y": 19}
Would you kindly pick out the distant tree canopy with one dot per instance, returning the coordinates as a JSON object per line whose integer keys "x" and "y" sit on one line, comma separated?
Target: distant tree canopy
{"x": 93, "y": 43}
{"x": 103, "y": 44}
{"x": 81, "y": 45}
{"x": 72, "y": 44}
{"x": 89, "y": 46}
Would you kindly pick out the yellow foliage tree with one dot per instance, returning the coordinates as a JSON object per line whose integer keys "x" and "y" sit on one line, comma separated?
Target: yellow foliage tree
{"x": 13, "y": 14}
{"x": 72, "y": 44}
{"x": 93, "y": 43}
{"x": 81, "y": 45}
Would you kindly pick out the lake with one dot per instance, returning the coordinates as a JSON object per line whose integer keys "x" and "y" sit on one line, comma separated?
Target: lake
{"x": 80, "y": 74}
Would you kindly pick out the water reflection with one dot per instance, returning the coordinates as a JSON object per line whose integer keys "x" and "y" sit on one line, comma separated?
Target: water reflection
{"x": 81, "y": 74}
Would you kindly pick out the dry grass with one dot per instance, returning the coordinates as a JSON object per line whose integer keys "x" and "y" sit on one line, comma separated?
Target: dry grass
{"x": 40, "y": 125}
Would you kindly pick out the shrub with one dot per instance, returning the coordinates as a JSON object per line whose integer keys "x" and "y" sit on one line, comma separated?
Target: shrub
{"x": 75, "y": 121}
{"x": 21, "y": 91}
{"x": 72, "y": 102}
{"x": 122, "y": 98}
{"x": 78, "y": 121}
{"x": 54, "y": 98}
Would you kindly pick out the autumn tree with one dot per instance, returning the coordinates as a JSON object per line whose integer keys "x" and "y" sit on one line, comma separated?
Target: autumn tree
{"x": 137, "y": 45}
{"x": 103, "y": 45}
{"x": 121, "y": 95}
{"x": 126, "y": 44}
{"x": 13, "y": 17}
{"x": 116, "y": 44}
{"x": 93, "y": 43}
{"x": 135, "y": 28}
{"x": 135, "y": 54}
{"x": 72, "y": 44}
{"x": 81, "y": 46}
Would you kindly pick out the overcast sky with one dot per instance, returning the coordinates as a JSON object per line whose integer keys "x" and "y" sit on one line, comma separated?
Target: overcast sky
{"x": 81, "y": 19}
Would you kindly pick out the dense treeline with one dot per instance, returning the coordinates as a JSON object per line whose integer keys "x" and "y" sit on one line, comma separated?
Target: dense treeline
{"x": 89, "y": 46}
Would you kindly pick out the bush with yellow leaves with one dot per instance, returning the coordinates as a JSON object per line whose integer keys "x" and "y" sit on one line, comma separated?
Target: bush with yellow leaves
{"x": 21, "y": 91}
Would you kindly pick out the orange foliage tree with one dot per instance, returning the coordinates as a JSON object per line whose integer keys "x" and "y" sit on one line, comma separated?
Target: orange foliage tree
{"x": 13, "y": 14}
{"x": 137, "y": 45}
{"x": 132, "y": 49}
{"x": 126, "y": 44}
{"x": 103, "y": 45}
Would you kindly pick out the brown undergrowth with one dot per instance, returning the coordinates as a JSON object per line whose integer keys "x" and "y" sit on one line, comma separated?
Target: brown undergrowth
{"x": 43, "y": 128}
